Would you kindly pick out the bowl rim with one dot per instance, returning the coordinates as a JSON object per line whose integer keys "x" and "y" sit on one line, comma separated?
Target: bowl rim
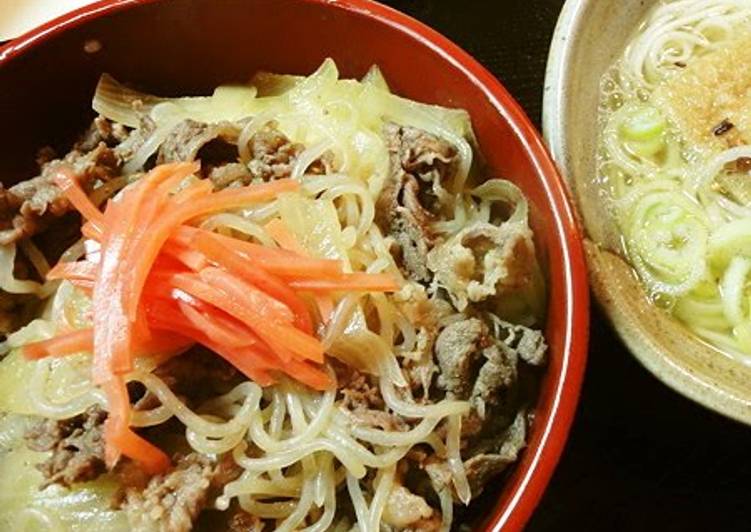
{"x": 556, "y": 115}
{"x": 512, "y": 512}
{"x": 556, "y": 86}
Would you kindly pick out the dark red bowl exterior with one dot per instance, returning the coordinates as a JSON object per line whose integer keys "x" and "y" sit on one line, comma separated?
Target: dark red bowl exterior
{"x": 190, "y": 46}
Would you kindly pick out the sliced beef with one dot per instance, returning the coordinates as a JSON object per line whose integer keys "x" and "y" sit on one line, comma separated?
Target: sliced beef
{"x": 400, "y": 215}
{"x": 101, "y": 131}
{"x": 172, "y": 501}
{"x": 497, "y": 375}
{"x": 359, "y": 398}
{"x": 425, "y": 156}
{"x": 31, "y": 206}
{"x": 368, "y": 417}
{"x": 77, "y": 447}
{"x": 482, "y": 462}
{"x": 478, "y": 364}
{"x": 529, "y": 344}
{"x": 213, "y": 144}
{"x": 439, "y": 474}
{"x": 500, "y": 452}
{"x": 410, "y": 200}
{"x": 242, "y": 521}
{"x": 459, "y": 351}
{"x": 40, "y": 195}
{"x": 198, "y": 365}
{"x": 136, "y": 138}
{"x": 406, "y": 511}
{"x": 483, "y": 261}
{"x": 10, "y": 206}
{"x": 358, "y": 390}
{"x": 481, "y": 362}
{"x": 129, "y": 476}
{"x": 272, "y": 154}
{"x": 425, "y": 314}
{"x": 230, "y": 175}
{"x": 420, "y": 153}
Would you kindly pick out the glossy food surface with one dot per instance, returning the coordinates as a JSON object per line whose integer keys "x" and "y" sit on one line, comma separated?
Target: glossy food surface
{"x": 184, "y": 47}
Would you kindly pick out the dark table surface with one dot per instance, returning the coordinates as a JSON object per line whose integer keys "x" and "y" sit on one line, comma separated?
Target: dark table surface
{"x": 640, "y": 457}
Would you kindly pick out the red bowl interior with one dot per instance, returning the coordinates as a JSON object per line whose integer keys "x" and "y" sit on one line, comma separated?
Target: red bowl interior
{"x": 181, "y": 47}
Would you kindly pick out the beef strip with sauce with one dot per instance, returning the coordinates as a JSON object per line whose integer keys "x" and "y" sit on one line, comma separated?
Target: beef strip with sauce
{"x": 425, "y": 313}
{"x": 481, "y": 363}
{"x": 242, "y": 521}
{"x": 359, "y": 398}
{"x": 501, "y": 451}
{"x": 215, "y": 144}
{"x": 407, "y": 511}
{"x": 198, "y": 365}
{"x": 474, "y": 360}
{"x": 478, "y": 362}
{"x": 483, "y": 261}
{"x": 427, "y": 157}
{"x": 400, "y": 215}
{"x": 37, "y": 207}
{"x": 409, "y": 202}
{"x": 76, "y": 445}
{"x": 31, "y": 206}
{"x": 172, "y": 502}
{"x": 271, "y": 154}
{"x": 101, "y": 130}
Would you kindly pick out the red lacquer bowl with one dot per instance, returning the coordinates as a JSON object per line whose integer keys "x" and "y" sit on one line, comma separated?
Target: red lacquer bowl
{"x": 183, "y": 47}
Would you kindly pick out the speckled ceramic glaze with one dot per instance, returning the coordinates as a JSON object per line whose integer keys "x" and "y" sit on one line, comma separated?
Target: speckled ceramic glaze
{"x": 591, "y": 35}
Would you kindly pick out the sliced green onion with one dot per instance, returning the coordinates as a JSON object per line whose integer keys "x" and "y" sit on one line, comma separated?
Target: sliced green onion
{"x": 733, "y": 288}
{"x": 643, "y": 124}
{"x": 730, "y": 240}
{"x": 666, "y": 240}
{"x": 646, "y": 148}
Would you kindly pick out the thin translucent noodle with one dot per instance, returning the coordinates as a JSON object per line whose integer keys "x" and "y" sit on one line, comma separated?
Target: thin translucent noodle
{"x": 299, "y": 451}
{"x": 682, "y": 209}
{"x": 384, "y": 483}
